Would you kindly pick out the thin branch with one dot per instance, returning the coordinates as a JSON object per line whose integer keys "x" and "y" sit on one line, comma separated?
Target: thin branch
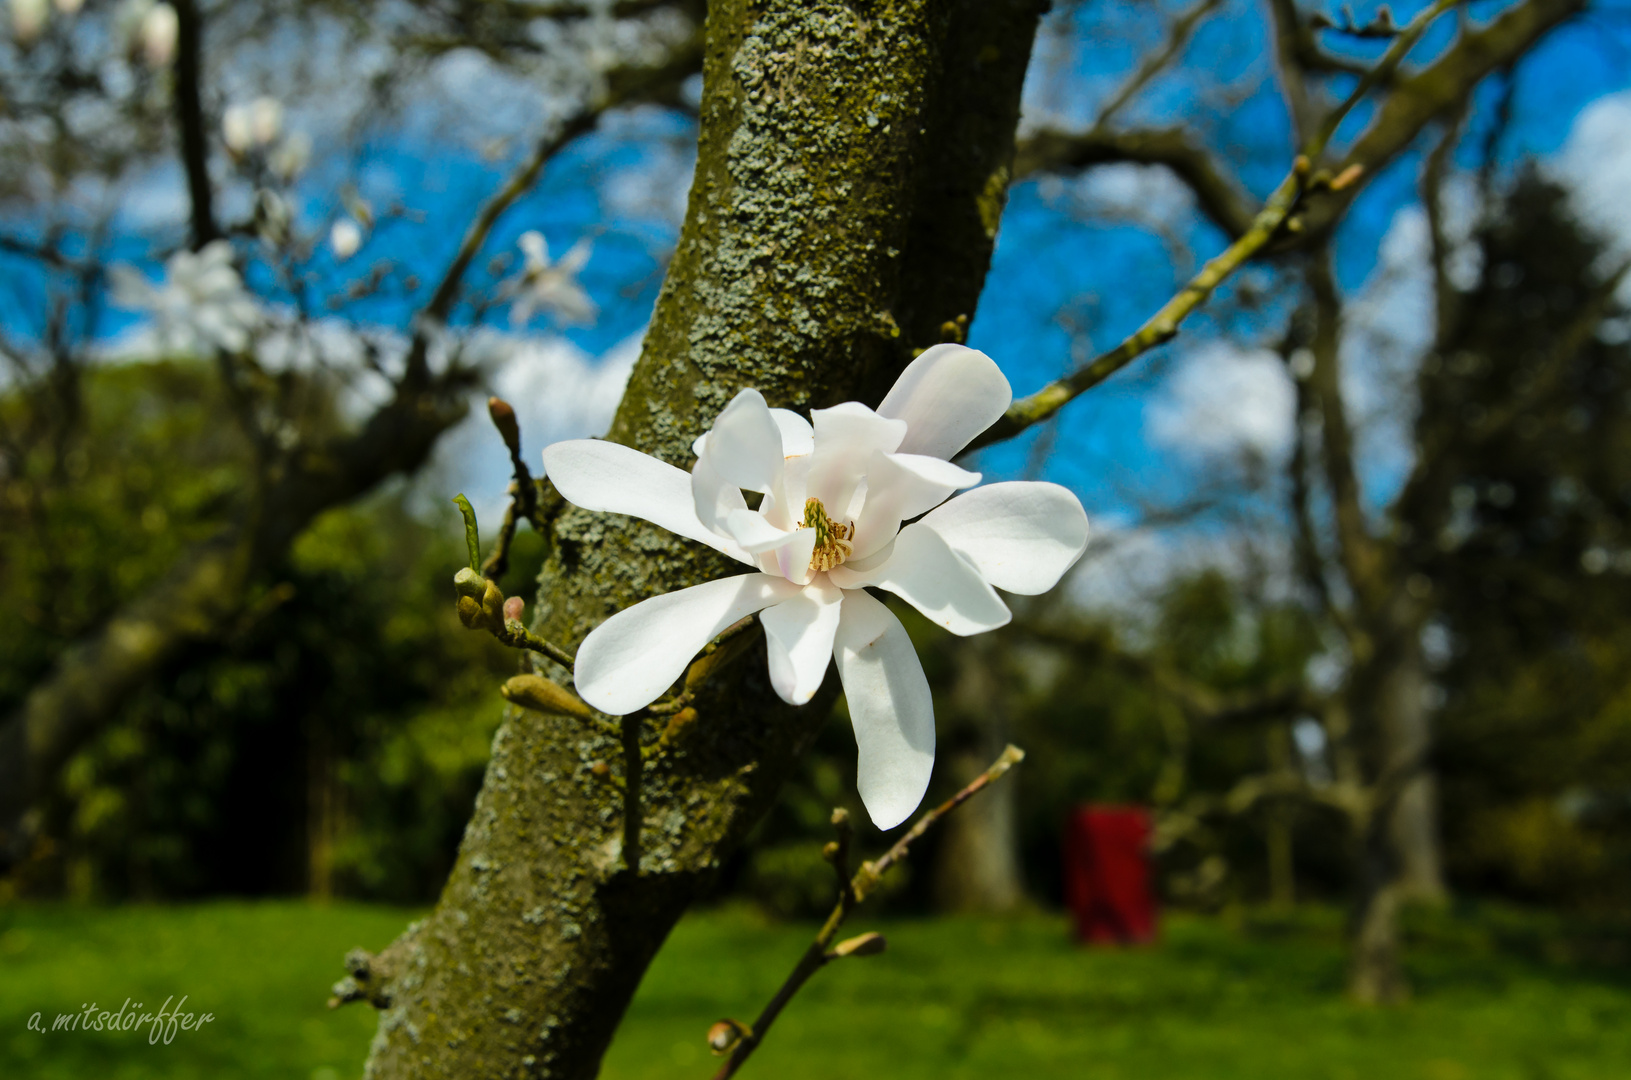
{"x": 1178, "y": 35}
{"x": 519, "y": 183}
{"x": 742, "y": 1041}
{"x": 1219, "y": 194}
{"x": 523, "y": 490}
{"x": 1357, "y": 551}
{"x": 1163, "y": 325}
{"x": 190, "y": 120}
{"x": 1446, "y": 295}
{"x": 1306, "y": 543}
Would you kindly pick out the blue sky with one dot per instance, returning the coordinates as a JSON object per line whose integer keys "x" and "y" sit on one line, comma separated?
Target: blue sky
{"x": 1062, "y": 261}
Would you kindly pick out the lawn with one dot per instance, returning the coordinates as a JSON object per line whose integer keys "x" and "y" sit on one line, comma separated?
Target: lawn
{"x": 1499, "y": 994}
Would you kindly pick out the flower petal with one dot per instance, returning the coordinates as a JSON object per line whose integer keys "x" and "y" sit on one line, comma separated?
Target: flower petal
{"x": 947, "y": 396}
{"x": 754, "y": 533}
{"x": 600, "y": 475}
{"x": 630, "y": 659}
{"x": 714, "y": 497}
{"x": 745, "y": 445}
{"x": 1021, "y": 536}
{"x": 900, "y": 487}
{"x": 792, "y": 559}
{"x": 798, "y": 437}
{"x": 925, "y": 572}
{"x": 890, "y": 706}
{"x": 799, "y": 640}
{"x": 845, "y": 437}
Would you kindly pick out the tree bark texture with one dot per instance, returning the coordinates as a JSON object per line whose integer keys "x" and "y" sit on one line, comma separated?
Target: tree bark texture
{"x": 847, "y": 152}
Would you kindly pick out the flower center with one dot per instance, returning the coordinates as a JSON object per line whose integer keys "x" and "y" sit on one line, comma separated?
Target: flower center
{"x": 832, "y": 544}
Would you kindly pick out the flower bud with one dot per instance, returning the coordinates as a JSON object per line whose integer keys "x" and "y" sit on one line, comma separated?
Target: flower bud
{"x": 513, "y": 607}
{"x": 538, "y": 693}
{"x": 868, "y": 944}
{"x": 723, "y": 1036}
{"x": 504, "y": 420}
{"x": 469, "y": 583}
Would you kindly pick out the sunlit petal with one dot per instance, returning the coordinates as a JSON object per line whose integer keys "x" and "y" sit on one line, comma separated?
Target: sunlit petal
{"x": 890, "y": 706}
{"x": 1021, "y": 536}
{"x": 714, "y": 497}
{"x": 745, "y": 444}
{"x": 947, "y": 396}
{"x": 600, "y": 475}
{"x": 845, "y": 437}
{"x": 799, "y": 640}
{"x": 630, "y": 659}
{"x": 798, "y": 437}
{"x": 900, "y": 487}
{"x": 925, "y": 572}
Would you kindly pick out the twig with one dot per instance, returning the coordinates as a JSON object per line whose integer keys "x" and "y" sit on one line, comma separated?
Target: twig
{"x": 740, "y": 1041}
{"x": 482, "y": 605}
{"x": 1178, "y": 34}
{"x": 1275, "y": 215}
{"x": 523, "y": 492}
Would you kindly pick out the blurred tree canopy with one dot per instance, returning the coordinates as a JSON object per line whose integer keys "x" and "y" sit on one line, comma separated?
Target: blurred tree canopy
{"x": 229, "y": 657}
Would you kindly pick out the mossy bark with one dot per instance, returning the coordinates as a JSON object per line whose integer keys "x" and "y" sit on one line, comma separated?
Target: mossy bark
{"x": 852, "y": 164}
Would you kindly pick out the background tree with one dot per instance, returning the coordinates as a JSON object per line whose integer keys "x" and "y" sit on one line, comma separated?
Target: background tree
{"x": 853, "y": 164}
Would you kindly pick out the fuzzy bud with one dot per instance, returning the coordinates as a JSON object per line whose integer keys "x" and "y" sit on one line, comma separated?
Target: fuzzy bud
{"x": 723, "y": 1036}
{"x": 539, "y": 693}
{"x": 504, "y": 420}
{"x": 868, "y": 944}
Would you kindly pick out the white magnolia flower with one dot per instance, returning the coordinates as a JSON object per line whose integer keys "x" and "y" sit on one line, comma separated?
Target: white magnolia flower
{"x": 158, "y": 35}
{"x": 202, "y": 304}
{"x": 291, "y": 156}
{"x": 28, "y": 19}
{"x": 345, "y": 238}
{"x": 552, "y": 286}
{"x": 236, "y": 129}
{"x": 835, "y": 493}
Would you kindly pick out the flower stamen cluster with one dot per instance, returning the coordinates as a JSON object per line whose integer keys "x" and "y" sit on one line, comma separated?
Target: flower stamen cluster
{"x": 832, "y": 540}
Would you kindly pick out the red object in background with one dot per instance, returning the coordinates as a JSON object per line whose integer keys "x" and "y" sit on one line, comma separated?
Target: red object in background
{"x": 1107, "y": 874}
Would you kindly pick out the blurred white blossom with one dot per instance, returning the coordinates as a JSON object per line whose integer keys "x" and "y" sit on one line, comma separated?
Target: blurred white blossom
{"x": 201, "y": 305}
{"x": 158, "y": 35}
{"x": 28, "y": 19}
{"x": 235, "y": 129}
{"x": 265, "y": 119}
{"x": 552, "y": 286}
{"x": 69, "y": 7}
{"x": 345, "y": 238}
{"x": 290, "y": 158}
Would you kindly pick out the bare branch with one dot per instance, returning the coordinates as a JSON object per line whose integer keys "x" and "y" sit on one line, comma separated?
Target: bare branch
{"x": 741, "y": 1041}
{"x": 1163, "y": 325}
{"x": 1178, "y": 35}
{"x": 190, "y": 120}
{"x": 1220, "y": 195}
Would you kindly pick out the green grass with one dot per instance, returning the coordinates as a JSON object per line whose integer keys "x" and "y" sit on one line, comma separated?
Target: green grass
{"x": 1499, "y": 994}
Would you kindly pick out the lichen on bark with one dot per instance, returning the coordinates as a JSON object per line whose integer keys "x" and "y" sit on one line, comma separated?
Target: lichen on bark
{"x": 836, "y": 141}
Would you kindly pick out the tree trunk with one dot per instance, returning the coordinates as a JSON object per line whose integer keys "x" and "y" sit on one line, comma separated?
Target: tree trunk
{"x": 835, "y": 170}
{"x": 977, "y": 862}
{"x": 1407, "y": 741}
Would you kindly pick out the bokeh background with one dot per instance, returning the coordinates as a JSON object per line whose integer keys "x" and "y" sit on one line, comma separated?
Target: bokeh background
{"x": 287, "y": 773}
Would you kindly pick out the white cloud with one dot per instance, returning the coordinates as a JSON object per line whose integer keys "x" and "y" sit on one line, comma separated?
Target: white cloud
{"x": 558, "y": 392}
{"x": 1595, "y": 163}
{"x": 1224, "y": 400}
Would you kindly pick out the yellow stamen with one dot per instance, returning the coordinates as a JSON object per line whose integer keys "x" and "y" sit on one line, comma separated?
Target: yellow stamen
{"x": 832, "y": 545}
